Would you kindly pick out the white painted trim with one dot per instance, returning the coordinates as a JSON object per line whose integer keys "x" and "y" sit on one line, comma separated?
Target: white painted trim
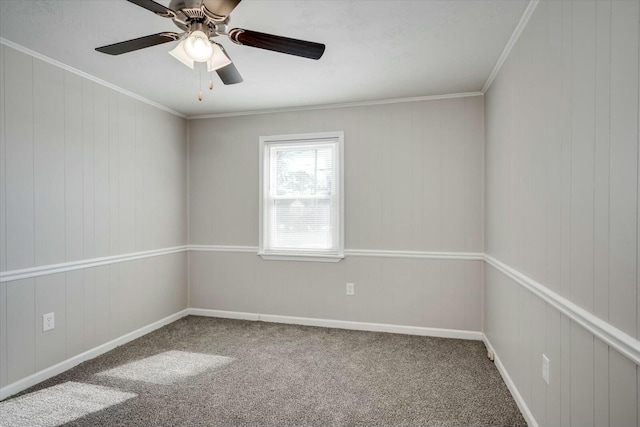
{"x": 31, "y": 380}
{"x": 338, "y": 105}
{"x": 223, "y": 314}
{"x": 614, "y": 337}
{"x": 222, "y": 248}
{"x": 87, "y": 76}
{"x": 375, "y": 327}
{"x": 343, "y": 324}
{"x": 301, "y": 257}
{"x": 512, "y": 41}
{"x": 522, "y": 405}
{"x": 622, "y": 342}
{"x": 8, "y": 276}
{"x": 468, "y": 256}
{"x": 44, "y": 270}
{"x": 133, "y": 95}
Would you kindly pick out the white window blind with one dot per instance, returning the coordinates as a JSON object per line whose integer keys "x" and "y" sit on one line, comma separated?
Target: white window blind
{"x": 301, "y": 200}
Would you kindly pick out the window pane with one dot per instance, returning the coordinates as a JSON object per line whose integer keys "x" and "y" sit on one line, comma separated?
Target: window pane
{"x": 302, "y": 224}
{"x": 301, "y": 201}
{"x": 304, "y": 171}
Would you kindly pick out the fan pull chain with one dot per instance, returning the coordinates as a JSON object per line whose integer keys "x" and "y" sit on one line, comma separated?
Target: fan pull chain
{"x": 200, "y": 85}
{"x": 211, "y": 80}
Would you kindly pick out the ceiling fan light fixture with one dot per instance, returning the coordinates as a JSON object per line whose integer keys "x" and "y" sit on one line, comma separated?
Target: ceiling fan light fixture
{"x": 179, "y": 53}
{"x": 198, "y": 46}
{"x": 219, "y": 58}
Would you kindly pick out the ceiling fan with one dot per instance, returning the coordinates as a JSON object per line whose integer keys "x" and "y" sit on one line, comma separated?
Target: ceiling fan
{"x": 200, "y": 20}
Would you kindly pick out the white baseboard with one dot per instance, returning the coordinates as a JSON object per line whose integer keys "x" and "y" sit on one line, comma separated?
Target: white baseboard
{"x": 342, "y": 324}
{"x": 31, "y": 380}
{"x": 223, "y": 314}
{"x": 522, "y": 405}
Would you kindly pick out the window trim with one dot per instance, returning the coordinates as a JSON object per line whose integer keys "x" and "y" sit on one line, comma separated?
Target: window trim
{"x": 263, "y": 191}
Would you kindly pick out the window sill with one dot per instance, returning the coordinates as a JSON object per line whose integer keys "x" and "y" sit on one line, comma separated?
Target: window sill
{"x": 286, "y": 256}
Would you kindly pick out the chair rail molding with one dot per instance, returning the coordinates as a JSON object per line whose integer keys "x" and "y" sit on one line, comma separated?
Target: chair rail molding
{"x": 614, "y": 337}
{"x": 43, "y": 270}
{"x": 469, "y": 256}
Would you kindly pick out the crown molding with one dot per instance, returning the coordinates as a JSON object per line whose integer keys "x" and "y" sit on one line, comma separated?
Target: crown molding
{"x": 338, "y": 105}
{"x": 133, "y": 95}
{"x": 512, "y": 41}
{"x": 496, "y": 69}
{"x": 88, "y": 76}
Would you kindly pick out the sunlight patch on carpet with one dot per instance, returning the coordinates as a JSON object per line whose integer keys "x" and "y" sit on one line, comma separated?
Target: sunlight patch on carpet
{"x": 58, "y": 405}
{"x": 168, "y": 368}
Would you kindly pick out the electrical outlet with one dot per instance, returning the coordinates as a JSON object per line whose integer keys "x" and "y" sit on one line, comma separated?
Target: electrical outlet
{"x": 545, "y": 369}
{"x": 48, "y": 321}
{"x": 351, "y": 289}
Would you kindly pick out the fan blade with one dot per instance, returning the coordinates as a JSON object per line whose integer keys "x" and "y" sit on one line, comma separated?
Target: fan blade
{"x": 277, "y": 43}
{"x": 221, "y": 8}
{"x": 139, "y": 43}
{"x": 229, "y": 74}
{"x": 154, "y": 7}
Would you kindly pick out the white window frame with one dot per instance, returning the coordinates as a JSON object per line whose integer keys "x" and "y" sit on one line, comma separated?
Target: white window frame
{"x": 263, "y": 192}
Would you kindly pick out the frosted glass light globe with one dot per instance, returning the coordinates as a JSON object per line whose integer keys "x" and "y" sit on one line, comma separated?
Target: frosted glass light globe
{"x": 198, "y": 47}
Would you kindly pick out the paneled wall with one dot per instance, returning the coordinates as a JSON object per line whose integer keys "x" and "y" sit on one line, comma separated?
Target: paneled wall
{"x": 562, "y": 207}
{"x": 413, "y": 182}
{"x": 415, "y": 292}
{"x": 86, "y": 172}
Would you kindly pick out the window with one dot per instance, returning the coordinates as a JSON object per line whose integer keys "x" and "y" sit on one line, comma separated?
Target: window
{"x": 302, "y": 197}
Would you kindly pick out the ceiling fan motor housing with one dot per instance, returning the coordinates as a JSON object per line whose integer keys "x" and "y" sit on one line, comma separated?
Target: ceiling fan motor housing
{"x": 189, "y": 12}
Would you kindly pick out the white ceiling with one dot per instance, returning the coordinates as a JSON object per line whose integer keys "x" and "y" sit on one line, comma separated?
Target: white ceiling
{"x": 376, "y": 49}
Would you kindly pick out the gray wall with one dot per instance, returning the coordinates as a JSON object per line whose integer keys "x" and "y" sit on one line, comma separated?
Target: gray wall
{"x": 562, "y": 207}
{"x": 85, "y": 172}
{"x": 413, "y": 182}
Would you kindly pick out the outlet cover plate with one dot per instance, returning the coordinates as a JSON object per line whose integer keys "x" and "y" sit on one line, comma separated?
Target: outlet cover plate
{"x": 545, "y": 369}
{"x": 48, "y": 321}
{"x": 351, "y": 289}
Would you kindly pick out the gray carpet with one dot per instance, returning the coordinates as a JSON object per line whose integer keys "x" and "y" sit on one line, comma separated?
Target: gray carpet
{"x": 212, "y": 372}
